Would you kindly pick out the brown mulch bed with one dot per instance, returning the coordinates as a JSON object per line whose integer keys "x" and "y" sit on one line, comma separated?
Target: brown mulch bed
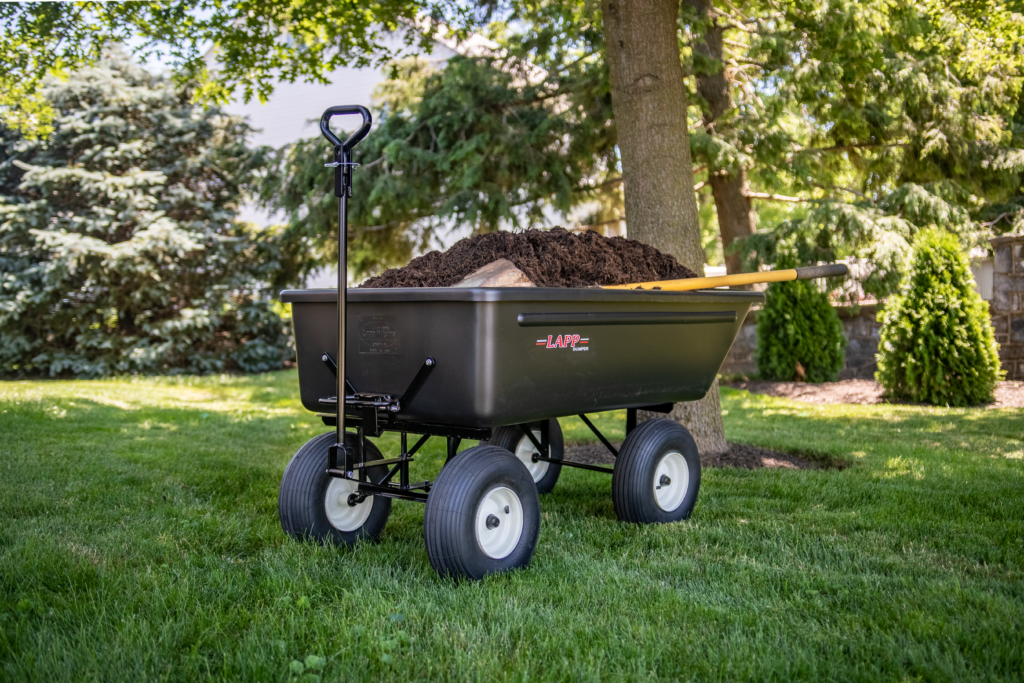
{"x": 863, "y": 391}
{"x": 550, "y": 258}
{"x": 739, "y": 455}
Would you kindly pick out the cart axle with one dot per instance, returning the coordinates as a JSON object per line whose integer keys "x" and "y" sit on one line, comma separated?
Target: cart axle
{"x": 580, "y": 465}
{"x": 368, "y": 488}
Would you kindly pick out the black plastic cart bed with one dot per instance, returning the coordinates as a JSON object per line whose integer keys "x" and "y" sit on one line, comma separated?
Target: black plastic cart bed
{"x": 498, "y": 365}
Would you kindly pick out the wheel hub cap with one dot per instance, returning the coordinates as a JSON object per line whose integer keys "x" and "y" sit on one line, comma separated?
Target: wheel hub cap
{"x": 499, "y": 522}
{"x": 339, "y": 503}
{"x": 671, "y": 479}
{"x": 526, "y": 451}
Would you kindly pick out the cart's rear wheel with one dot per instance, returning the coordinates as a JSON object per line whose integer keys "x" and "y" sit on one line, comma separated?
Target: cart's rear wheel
{"x": 316, "y": 506}
{"x": 482, "y": 516}
{"x": 657, "y": 474}
{"x": 511, "y": 438}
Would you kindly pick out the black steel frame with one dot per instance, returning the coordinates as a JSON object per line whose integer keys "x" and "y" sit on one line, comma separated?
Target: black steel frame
{"x": 542, "y": 445}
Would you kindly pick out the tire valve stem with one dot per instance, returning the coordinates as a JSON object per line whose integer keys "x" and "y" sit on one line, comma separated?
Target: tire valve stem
{"x": 664, "y": 481}
{"x": 492, "y": 522}
{"x": 506, "y": 509}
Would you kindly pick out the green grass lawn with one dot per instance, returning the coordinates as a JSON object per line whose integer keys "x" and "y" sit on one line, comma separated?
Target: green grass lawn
{"x": 139, "y": 540}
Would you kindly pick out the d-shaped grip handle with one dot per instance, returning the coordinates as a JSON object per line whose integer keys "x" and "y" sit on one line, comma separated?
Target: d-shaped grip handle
{"x": 343, "y": 110}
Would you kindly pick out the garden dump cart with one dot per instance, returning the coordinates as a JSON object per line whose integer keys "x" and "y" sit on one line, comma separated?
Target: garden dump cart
{"x": 498, "y": 365}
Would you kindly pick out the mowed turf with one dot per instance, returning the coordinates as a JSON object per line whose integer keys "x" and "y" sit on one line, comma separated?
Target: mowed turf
{"x": 139, "y": 541}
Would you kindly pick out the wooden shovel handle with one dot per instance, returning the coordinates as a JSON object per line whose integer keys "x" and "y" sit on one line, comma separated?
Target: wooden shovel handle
{"x": 689, "y": 284}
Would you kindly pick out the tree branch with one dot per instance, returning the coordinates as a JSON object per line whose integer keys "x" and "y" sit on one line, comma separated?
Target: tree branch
{"x": 606, "y": 183}
{"x": 732, "y": 24}
{"x": 533, "y": 100}
{"x": 997, "y": 219}
{"x": 842, "y": 189}
{"x": 736, "y": 62}
{"x": 775, "y": 197}
{"x": 848, "y": 148}
{"x": 598, "y": 225}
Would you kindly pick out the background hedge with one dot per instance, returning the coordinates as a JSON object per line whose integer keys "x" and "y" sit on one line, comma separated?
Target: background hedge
{"x": 798, "y": 330}
{"x": 937, "y": 344}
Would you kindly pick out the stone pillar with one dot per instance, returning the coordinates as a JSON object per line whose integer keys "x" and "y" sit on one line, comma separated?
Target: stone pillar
{"x": 862, "y": 330}
{"x": 1007, "y": 305}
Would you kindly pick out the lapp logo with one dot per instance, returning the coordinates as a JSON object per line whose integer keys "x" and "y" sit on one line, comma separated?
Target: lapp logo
{"x": 565, "y": 341}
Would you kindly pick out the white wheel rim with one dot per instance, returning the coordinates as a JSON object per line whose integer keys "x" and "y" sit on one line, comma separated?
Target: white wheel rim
{"x": 499, "y": 522}
{"x": 525, "y": 452}
{"x": 340, "y": 514}
{"x": 671, "y": 480}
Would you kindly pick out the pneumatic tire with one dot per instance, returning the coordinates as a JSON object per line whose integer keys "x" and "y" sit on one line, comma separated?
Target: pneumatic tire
{"x": 511, "y": 438}
{"x": 482, "y": 516}
{"x": 657, "y": 474}
{"x": 313, "y": 505}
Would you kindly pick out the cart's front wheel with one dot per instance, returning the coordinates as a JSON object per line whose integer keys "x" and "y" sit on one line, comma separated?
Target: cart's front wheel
{"x": 657, "y": 474}
{"x": 313, "y": 505}
{"x": 482, "y": 516}
{"x": 511, "y": 438}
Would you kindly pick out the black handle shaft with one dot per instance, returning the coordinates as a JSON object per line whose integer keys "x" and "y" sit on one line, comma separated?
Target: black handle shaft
{"x": 832, "y": 270}
{"x": 342, "y": 190}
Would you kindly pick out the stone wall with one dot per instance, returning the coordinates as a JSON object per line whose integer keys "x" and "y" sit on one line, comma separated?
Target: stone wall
{"x": 861, "y": 332}
{"x": 861, "y": 329}
{"x": 1007, "y": 304}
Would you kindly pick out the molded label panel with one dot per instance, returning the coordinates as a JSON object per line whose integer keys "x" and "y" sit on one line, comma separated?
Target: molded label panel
{"x": 378, "y": 335}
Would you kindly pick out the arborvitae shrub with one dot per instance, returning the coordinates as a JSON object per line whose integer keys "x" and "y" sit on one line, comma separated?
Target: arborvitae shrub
{"x": 937, "y": 344}
{"x": 799, "y": 325}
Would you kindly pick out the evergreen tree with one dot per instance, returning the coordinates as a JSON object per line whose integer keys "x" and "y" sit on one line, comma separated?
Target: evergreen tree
{"x": 937, "y": 344}
{"x": 799, "y": 335}
{"x": 119, "y": 248}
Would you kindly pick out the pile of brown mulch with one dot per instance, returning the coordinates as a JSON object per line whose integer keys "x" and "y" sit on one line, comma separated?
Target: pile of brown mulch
{"x": 550, "y": 258}
{"x": 862, "y": 391}
{"x": 747, "y": 457}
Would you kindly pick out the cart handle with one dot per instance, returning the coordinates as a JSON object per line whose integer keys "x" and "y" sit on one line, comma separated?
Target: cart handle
{"x": 344, "y": 110}
{"x": 343, "y": 166}
{"x": 690, "y": 284}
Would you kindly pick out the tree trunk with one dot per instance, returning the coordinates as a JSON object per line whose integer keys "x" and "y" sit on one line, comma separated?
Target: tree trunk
{"x": 649, "y": 102}
{"x": 735, "y": 219}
